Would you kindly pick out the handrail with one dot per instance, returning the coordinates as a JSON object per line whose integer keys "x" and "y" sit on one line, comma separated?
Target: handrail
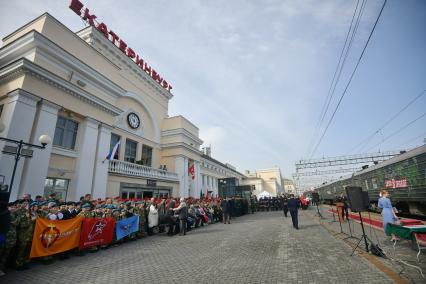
{"x": 131, "y": 169}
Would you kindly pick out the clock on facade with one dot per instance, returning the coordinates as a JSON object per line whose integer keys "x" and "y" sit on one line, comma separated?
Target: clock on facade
{"x": 133, "y": 120}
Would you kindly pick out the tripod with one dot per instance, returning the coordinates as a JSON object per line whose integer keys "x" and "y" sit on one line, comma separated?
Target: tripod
{"x": 364, "y": 236}
{"x": 332, "y": 211}
{"x": 318, "y": 212}
{"x": 350, "y": 229}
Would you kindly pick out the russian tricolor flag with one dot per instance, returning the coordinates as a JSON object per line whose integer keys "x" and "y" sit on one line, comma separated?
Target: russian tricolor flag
{"x": 112, "y": 153}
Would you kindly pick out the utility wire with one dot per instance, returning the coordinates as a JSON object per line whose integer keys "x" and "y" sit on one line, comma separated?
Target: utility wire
{"x": 399, "y": 130}
{"x": 350, "y": 79}
{"x": 368, "y": 139}
{"x": 358, "y": 20}
{"x": 329, "y": 94}
{"x": 411, "y": 140}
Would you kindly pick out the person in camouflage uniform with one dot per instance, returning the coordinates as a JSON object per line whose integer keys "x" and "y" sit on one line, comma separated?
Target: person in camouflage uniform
{"x": 140, "y": 210}
{"x": 11, "y": 236}
{"x": 25, "y": 230}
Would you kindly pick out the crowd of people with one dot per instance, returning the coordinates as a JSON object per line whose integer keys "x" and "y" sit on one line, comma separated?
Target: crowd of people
{"x": 156, "y": 215}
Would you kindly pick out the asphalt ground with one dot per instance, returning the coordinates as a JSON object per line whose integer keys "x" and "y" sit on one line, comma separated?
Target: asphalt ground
{"x": 256, "y": 248}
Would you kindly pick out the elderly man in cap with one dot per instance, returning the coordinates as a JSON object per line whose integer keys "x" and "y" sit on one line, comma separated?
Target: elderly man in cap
{"x": 182, "y": 210}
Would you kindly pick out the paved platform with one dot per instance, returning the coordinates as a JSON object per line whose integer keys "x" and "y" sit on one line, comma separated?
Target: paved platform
{"x": 259, "y": 248}
{"x": 403, "y": 250}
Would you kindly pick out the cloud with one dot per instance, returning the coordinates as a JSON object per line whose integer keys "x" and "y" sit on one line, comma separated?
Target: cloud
{"x": 213, "y": 135}
{"x": 252, "y": 75}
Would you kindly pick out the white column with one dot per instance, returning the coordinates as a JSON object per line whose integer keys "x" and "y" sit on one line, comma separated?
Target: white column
{"x": 197, "y": 180}
{"x": 81, "y": 184}
{"x": 35, "y": 169}
{"x": 100, "y": 174}
{"x": 18, "y": 117}
{"x": 181, "y": 168}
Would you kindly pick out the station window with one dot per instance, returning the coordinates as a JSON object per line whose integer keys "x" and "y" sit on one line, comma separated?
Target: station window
{"x": 65, "y": 133}
{"x": 114, "y": 140}
{"x": 130, "y": 152}
{"x": 146, "y": 158}
{"x": 56, "y": 185}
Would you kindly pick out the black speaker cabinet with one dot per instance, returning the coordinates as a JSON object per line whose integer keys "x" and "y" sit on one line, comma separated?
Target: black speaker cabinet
{"x": 355, "y": 198}
{"x": 366, "y": 200}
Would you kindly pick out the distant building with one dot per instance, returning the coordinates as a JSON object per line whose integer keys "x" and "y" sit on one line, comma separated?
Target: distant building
{"x": 269, "y": 180}
{"x": 289, "y": 186}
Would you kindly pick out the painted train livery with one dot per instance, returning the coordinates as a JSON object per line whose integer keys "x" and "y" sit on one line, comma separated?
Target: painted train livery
{"x": 404, "y": 176}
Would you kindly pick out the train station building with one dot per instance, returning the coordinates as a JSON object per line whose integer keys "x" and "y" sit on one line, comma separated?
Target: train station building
{"x": 94, "y": 97}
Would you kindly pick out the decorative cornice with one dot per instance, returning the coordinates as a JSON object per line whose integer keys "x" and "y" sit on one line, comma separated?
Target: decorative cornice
{"x": 181, "y": 131}
{"x": 182, "y": 145}
{"x": 34, "y": 40}
{"x": 24, "y": 66}
{"x": 24, "y": 97}
{"x": 92, "y": 36}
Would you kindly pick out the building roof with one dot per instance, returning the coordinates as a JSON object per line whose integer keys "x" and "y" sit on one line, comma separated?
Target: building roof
{"x": 220, "y": 163}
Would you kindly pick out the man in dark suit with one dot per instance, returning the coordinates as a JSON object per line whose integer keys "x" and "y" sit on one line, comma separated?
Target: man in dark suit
{"x": 226, "y": 210}
{"x": 293, "y": 204}
{"x": 285, "y": 205}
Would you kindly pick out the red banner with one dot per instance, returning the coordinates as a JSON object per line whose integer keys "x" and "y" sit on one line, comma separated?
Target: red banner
{"x": 396, "y": 183}
{"x": 96, "y": 232}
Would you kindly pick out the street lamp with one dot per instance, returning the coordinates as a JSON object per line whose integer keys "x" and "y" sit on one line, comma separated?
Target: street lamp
{"x": 19, "y": 151}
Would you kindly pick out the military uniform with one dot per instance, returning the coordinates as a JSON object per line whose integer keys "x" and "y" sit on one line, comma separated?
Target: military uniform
{"x": 11, "y": 238}
{"x": 141, "y": 213}
{"x": 24, "y": 238}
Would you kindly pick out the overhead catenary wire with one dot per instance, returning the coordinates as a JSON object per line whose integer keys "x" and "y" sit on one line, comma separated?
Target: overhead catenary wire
{"x": 371, "y": 136}
{"x": 399, "y": 130}
{"x": 350, "y": 79}
{"x": 412, "y": 139}
{"x": 339, "y": 66}
{"x": 358, "y": 20}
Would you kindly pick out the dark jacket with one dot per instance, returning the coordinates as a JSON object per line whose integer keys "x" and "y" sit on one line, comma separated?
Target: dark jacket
{"x": 226, "y": 206}
{"x": 183, "y": 213}
{"x": 293, "y": 204}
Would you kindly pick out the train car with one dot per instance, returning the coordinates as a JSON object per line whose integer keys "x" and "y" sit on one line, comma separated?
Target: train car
{"x": 404, "y": 176}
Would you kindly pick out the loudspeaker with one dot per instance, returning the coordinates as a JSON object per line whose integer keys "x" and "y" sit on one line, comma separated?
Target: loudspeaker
{"x": 315, "y": 197}
{"x": 355, "y": 198}
{"x": 366, "y": 200}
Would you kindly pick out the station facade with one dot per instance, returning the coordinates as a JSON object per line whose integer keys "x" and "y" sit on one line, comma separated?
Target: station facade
{"x": 90, "y": 97}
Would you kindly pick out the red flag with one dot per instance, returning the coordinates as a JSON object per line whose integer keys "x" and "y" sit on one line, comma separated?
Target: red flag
{"x": 191, "y": 171}
{"x": 96, "y": 232}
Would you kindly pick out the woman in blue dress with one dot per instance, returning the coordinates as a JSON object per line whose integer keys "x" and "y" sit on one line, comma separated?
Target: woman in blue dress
{"x": 388, "y": 213}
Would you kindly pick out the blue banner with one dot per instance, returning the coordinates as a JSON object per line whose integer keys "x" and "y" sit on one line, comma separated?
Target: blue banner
{"x": 126, "y": 226}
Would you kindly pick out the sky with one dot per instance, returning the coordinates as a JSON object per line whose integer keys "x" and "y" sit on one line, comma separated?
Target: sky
{"x": 253, "y": 76}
